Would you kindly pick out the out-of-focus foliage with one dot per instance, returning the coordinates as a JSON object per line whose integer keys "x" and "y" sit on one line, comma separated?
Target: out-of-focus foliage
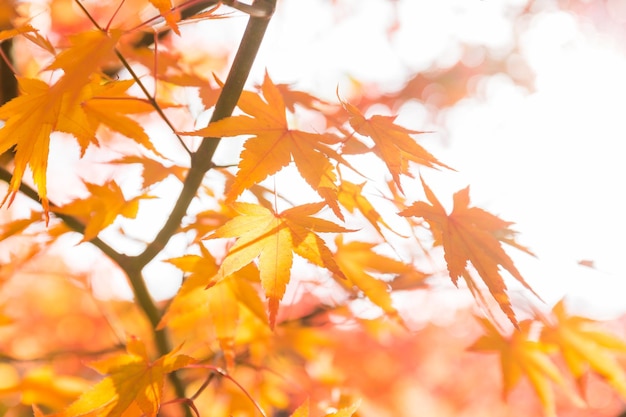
{"x": 142, "y": 275}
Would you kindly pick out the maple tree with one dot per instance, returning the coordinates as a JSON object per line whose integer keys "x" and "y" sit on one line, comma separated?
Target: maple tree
{"x": 249, "y": 329}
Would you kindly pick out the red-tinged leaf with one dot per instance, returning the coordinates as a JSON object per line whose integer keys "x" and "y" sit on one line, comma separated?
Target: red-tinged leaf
{"x": 293, "y": 97}
{"x": 153, "y": 171}
{"x": 393, "y": 143}
{"x": 521, "y": 356}
{"x": 273, "y": 238}
{"x": 585, "y": 348}
{"x": 132, "y": 380}
{"x": 101, "y": 208}
{"x": 357, "y": 260}
{"x": 303, "y": 410}
{"x": 470, "y": 234}
{"x": 171, "y": 16}
{"x": 274, "y": 145}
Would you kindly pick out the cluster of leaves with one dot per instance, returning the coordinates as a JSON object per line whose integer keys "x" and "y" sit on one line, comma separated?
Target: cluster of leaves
{"x": 223, "y": 342}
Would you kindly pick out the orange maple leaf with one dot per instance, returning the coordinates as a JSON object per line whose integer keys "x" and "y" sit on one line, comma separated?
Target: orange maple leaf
{"x": 171, "y": 16}
{"x": 273, "y": 238}
{"x": 351, "y": 197}
{"x": 274, "y": 145}
{"x": 471, "y": 234}
{"x": 101, "y": 208}
{"x": 195, "y": 304}
{"x": 304, "y": 410}
{"x": 45, "y": 387}
{"x": 520, "y": 355}
{"x": 43, "y": 109}
{"x": 133, "y": 382}
{"x": 392, "y": 143}
{"x": 585, "y": 348}
{"x": 358, "y": 260}
{"x": 10, "y": 33}
{"x": 153, "y": 170}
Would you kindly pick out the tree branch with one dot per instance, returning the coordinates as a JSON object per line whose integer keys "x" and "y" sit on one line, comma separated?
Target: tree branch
{"x": 201, "y": 160}
{"x": 70, "y": 221}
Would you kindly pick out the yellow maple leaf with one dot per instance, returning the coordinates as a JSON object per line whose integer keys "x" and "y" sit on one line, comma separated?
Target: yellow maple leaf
{"x": 522, "y": 356}
{"x": 171, "y": 16}
{"x": 101, "y": 208}
{"x": 10, "y": 33}
{"x": 39, "y": 110}
{"x": 45, "y": 387}
{"x": 585, "y": 348}
{"x": 274, "y": 145}
{"x": 351, "y": 197}
{"x": 273, "y": 238}
{"x": 357, "y": 260}
{"x": 132, "y": 381}
{"x": 346, "y": 411}
{"x": 220, "y": 305}
{"x": 471, "y": 234}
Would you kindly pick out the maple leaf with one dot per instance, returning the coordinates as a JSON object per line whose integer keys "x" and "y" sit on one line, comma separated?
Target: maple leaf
{"x": 44, "y": 387}
{"x": 304, "y": 410}
{"x": 220, "y": 304}
{"x": 346, "y": 411}
{"x": 393, "y": 143}
{"x": 132, "y": 380}
{"x": 274, "y": 145}
{"x": 153, "y": 170}
{"x": 351, "y": 197}
{"x": 20, "y": 30}
{"x": 40, "y": 110}
{"x": 170, "y": 16}
{"x": 521, "y": 356}
{"x": 88, "y": 52}
{"x": 273, "y": 238}
{"x": 356, "y": 259}
{"x": 17, "y": 226}
{"x": 293, "y": 97}
{"x": 471, "y": 234}
{"x": 101, "y": 208}
{"x": 585, "y": 348}
{"x": 107, "y": 103}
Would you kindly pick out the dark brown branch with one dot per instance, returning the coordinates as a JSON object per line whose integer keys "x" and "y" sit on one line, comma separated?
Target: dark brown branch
{"x": 72, "y": 222}
{"x": 8, "y": 82}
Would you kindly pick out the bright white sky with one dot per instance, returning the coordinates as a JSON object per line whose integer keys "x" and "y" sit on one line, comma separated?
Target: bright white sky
{"x": 552, "y": 161}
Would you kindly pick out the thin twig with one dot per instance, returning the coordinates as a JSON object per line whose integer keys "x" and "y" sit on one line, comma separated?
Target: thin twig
{"x": 150, "y": 98}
